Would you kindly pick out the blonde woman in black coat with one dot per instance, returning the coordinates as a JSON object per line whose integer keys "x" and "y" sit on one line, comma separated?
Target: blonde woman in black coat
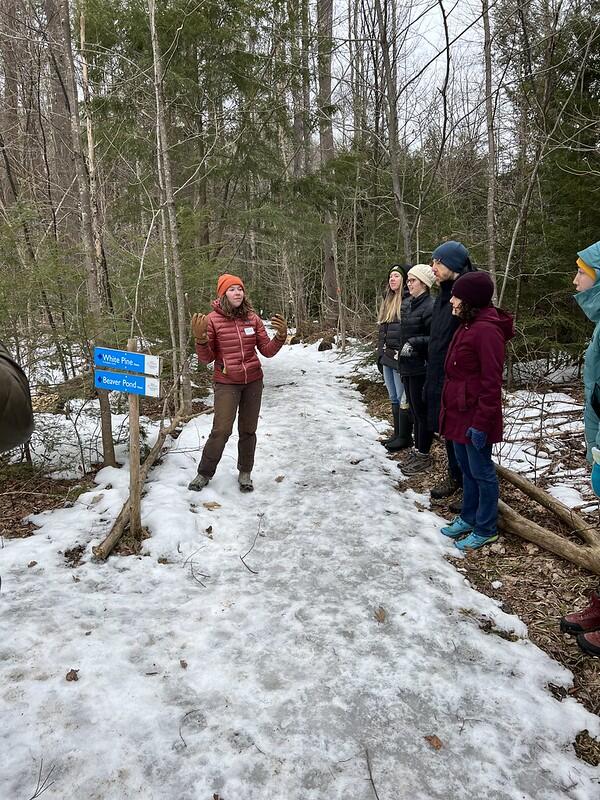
{"x": 388, "y": 350}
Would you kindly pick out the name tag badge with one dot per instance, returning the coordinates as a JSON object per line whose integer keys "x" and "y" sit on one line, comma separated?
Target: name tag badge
{"x": 248, "y": 331}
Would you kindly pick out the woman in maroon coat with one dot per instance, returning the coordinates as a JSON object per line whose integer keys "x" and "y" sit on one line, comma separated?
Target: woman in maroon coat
{"x": 471, "y": 414}
{"x": 230, "y": 336}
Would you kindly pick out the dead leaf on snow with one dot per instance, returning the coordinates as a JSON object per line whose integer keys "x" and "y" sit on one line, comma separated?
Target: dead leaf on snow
{"x": 183, "y": 663}
{"x": 32, "y": 564}
{"x": 72, "y": 675}
{"x": 380, "y": 614}
{"x": 279, "y": 478}
{"x": 434, "y": 741}
{"x": 211, "y": 506}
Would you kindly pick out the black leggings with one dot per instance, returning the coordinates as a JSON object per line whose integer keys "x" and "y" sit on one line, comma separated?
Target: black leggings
{"x": 413, "y": 385}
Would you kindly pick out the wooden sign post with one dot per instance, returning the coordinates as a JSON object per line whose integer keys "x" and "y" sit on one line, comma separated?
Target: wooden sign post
{"x": 146, "y": 384}
{"x": 135, "y": 489}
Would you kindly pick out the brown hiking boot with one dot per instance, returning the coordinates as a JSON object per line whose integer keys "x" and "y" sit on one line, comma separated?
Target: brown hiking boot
{"x": 420, "y": 463}
{"x": 589, "y": 643}
{"x": 445, "y": 489}
{"x": 584, "y": 621}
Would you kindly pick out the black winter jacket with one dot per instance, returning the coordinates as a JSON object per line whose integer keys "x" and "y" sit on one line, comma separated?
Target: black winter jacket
{"x": 16, "y": 415}
{"x": 443, "y": 326}
{"x": 415, "y": 325}
{"x": 389, "y": 343}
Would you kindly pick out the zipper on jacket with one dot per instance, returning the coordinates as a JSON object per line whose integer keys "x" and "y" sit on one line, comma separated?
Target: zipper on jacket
{"x": 237, "y": 327}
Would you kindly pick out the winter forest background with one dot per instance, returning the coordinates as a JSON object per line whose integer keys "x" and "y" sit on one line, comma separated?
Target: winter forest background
{"x": 147, "y": 147}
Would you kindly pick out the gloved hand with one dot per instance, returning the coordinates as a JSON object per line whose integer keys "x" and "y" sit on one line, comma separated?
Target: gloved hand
{"x": 596, "y": 471}
{"x": 280, "y": 325}
{"x": 479, "y": 438}
{"x": 379, "y": 365}
{"x": 200, "y": 328}
{"x": 407, "y": 350}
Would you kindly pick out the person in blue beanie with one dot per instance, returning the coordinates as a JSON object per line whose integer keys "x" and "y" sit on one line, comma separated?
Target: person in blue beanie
{"x": 450, "y": 260}
{"x": 585, "y": 624}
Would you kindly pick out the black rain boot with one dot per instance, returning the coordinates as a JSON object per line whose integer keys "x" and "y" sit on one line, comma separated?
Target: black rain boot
{"x": 404, "y": 438}
{"x": 395, "y": 410}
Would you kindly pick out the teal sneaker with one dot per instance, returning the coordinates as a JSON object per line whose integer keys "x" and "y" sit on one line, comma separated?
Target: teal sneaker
{"x": 458, "y": 527}
{"x": 474, "y": 541}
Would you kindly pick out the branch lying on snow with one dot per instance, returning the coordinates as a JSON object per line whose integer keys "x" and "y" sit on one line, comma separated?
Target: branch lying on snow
{"x": 371, "y": 780}
{"x": 104, "y": 549}
{"x": 43, "y": 785}
{"x": 584, "y": 555}
{"x": 254, "y": 572}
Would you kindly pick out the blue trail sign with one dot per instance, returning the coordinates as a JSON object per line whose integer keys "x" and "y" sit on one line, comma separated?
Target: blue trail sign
{"x": 121, "y": 382}
{"x": 107, "y": 358}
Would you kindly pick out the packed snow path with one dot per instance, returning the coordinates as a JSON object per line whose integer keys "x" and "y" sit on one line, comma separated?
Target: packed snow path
{"x": 348, "y": 633}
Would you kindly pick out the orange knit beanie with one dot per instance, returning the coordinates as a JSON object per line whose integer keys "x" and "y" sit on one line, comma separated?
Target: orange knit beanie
{"x": 226, "y": 282}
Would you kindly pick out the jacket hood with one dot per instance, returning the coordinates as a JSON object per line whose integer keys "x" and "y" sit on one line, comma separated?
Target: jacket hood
{"x": 499, "y": 317}
{"x": 589, "y": 301}
{"x": 591, "y": 256}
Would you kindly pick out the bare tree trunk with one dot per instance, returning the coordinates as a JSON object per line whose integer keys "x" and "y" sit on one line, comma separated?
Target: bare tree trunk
{"x": 163, "y": 155}
{"x": 491, "y": 157}
{"x": 305, "y": 45}
{"x": 85, "y": 212}
{"x": 101, "y": 263}
{"x": 391, "y": 94}
{"x": 329, "y": 242}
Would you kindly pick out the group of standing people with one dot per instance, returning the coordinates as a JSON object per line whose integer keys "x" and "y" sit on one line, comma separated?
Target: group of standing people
{"x": 442, "y": 361}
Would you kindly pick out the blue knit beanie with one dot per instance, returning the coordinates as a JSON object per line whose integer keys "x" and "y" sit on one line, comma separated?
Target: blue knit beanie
{"x": 453, "y": 255}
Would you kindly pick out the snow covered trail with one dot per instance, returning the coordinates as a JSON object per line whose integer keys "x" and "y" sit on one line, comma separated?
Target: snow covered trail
{"x": 199, "y": 676}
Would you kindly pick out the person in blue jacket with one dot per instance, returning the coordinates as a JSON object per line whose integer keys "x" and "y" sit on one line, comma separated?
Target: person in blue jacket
{"x": 585, "y": 624}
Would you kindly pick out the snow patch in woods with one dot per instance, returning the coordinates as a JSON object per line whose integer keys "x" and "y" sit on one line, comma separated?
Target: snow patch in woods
{"x": 345, "y": 632}
{"x": 567, "y": 495}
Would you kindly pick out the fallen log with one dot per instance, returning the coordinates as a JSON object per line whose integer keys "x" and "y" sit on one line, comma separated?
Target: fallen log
{"x": 576, "y": 523}
{"x": 587, "y": 556}
{"x": 104, "y": 549}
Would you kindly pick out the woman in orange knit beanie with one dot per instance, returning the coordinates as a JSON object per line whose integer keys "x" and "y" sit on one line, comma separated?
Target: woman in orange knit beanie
{"x": 230, "y": 336}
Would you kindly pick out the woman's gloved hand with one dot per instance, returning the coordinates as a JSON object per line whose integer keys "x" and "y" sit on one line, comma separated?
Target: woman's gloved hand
{"x": 407, "y": 350}
{"x": 200, "y": 328}
{"x": 280, "y": 325}
{"x": 479, "y": 438}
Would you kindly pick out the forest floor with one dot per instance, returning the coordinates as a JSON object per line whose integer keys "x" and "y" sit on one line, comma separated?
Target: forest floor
{"x": 528, "y": 581}
{"x": 317, "y": 638}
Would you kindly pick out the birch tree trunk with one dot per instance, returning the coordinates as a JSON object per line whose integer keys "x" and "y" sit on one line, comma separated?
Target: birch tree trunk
{"x": 85, "y": 216}
{"x": 165, "y": 160}
{"x": 329, "y": 243}
{"x": 101, "y": 263}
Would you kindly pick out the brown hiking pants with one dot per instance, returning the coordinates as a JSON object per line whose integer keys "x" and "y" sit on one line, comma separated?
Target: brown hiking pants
{"x": 231, "y": 398}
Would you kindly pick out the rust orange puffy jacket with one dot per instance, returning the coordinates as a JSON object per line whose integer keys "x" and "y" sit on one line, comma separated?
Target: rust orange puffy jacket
{"x": 232, "y": 344}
